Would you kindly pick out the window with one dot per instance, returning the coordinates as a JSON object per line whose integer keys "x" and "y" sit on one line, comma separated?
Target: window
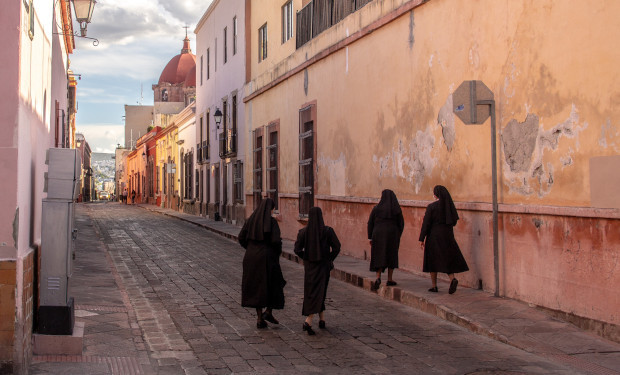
{"x": 208, "y": 183}
{"x": 226, "y": 134}
{"x": 272, "y": 162}
{"x": 215, "y": 56}
{"x": 30, "y": 10}
{"x": 189, "y": 170}
{"x": 197, "y": 181}
{"x": 201, "y": 70}
{"x": 306, "y": 161}
{"x": 225, "y": 46}
{"x": 164, "y": 179}
{"x": 287, "y": 21}
{"x": 164, "y": 95}
{"x": 205, "y": 142}
{"x": 238, "y": 181}
{"x": 199, "y": 147}
{"x": 208, "y": 64}
{"x": 262, "y": 43}
{"x": 234, "y": 36}
{"x": 232, "y": 141}
{"x": 257, "y": 171}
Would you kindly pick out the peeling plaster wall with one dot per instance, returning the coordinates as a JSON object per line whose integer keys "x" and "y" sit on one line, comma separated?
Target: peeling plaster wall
{"x": 524, "y": 147}
{"x": 384, "y": 120}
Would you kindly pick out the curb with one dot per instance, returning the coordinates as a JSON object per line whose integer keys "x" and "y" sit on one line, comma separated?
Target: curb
{"x": 421, "y": 303}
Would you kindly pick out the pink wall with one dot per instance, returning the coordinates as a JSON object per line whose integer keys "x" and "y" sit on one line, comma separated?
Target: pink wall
{"x": 9, "y": 60}
{"x": 559, "y": 259}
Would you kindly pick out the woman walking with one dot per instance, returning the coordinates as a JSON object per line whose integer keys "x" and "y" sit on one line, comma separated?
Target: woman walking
{"x": 441, "y": 252}
{"x": 385, "y": 226}
{"x": 262, "y": 284}
{"x": 318, "y": 245}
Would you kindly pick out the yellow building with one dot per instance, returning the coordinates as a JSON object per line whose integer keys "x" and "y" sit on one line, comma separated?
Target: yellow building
{"x": 360, "y": 96}
{"x": 168, "y": 180}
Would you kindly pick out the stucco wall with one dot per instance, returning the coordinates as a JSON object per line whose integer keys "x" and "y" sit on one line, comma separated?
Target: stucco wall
{"x": 225, "y": 80}
{"x": 383, "y": 80}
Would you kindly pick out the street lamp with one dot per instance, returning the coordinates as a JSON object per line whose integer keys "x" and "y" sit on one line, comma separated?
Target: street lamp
{"x": 218, "y": 117}
{"x": 83, "y": 13}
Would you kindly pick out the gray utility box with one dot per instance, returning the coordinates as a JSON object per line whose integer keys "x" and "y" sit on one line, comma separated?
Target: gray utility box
{"x": 56, "y": 310}
{"x": 63, "y": 173}
{"x": 57, "y": 252}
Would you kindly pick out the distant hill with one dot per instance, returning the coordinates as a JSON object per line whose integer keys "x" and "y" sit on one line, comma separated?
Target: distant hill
{"x": 100, "y": 156}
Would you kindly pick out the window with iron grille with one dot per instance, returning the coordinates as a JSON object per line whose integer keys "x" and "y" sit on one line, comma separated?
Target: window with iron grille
{"x": 319, "y": 15}
{"x": 163, "y": 173}
{"x": 232, "y": 142}
{"x": 189, "y": 171}
{"x": 287, "y": 21}
{"x": 205, "y": 142}
{"x": 272, "y": 163}
{"x": 257, "y": 171}
{"x": 225, "y": 45}
{"x": 208, "y": 183}
{"x": 262, "y": 43}
{"x": 208, "y": 63}
{"x": 201, "y": 70}
{"x": 306, "y": 161}
{"x": 198, "y": 191}
{"x": 199, "y": 148}
{"x": 234, "y": 35}
{"x": 238, "y": 181}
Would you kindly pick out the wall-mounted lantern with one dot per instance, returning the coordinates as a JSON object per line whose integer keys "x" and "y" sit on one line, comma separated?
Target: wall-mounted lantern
{"x": 83, "y": 13}
{"x": 218, "y": 117}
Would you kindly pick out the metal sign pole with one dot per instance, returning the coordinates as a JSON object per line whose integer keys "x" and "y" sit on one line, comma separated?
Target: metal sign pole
{"x": 491, "y": 104}
{"x": 466, "y": 99}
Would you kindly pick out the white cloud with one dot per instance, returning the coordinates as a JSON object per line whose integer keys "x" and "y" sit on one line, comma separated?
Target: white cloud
{"x": 137, "y": 38}
{"x": 102, "y": 137}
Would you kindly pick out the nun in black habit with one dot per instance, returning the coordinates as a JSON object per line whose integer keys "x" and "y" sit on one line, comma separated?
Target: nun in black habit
{"x": 262, "y": 284}
{"x": 318, "y": 245}
{"x": 385, "y": 226}
{"x": 441, "y": 252}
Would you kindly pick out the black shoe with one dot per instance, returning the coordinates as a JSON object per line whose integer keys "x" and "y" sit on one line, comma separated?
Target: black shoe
{"x": 308, "y": 328}
{"x": 453, "y": 285}
{"x": 433, "y": 289}
{"x": 322, "y": 324}
{"x": 390, "y": 283}
{"x": 269, "y": 317}
{"x": 377, "y": 284}
{"x": 261, "y": 324}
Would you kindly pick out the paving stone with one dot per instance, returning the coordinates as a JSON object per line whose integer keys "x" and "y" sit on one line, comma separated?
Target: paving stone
{"x": 180, "y": 287}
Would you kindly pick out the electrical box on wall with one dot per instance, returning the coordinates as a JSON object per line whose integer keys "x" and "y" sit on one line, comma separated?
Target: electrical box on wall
{"x": 58, "y": 234}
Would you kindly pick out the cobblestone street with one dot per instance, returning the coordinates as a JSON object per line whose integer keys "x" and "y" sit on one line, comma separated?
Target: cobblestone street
{"x": 176, "y": 310}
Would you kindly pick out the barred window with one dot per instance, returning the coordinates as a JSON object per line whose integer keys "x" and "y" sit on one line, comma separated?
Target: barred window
{"x": 272, "y": 162}
{"x": 257, "y": 171}
{"x": 238, "y": 181}
{"x": 306, "y": 161}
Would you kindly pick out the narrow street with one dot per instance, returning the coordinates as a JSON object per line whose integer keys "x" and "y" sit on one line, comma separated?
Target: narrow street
{"x": 170, "y": 305}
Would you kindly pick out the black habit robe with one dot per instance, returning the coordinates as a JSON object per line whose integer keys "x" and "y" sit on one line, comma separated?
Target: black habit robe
{"x": 318, "y": 245}
{"x": 385, "y": 226}
{"x": 262, "y": 282}
{"x": 441, "y": 251}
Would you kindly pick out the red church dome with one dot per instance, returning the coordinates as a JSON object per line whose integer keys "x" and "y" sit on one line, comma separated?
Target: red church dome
{"x": 179, "y": 66}
{"x": 190, "y": 79}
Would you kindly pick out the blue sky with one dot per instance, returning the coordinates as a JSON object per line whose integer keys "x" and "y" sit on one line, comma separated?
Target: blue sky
{"x": 137, "y": 38}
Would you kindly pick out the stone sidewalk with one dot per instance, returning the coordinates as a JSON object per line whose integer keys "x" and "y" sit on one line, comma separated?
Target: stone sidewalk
{"x": 505, "y": 320}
